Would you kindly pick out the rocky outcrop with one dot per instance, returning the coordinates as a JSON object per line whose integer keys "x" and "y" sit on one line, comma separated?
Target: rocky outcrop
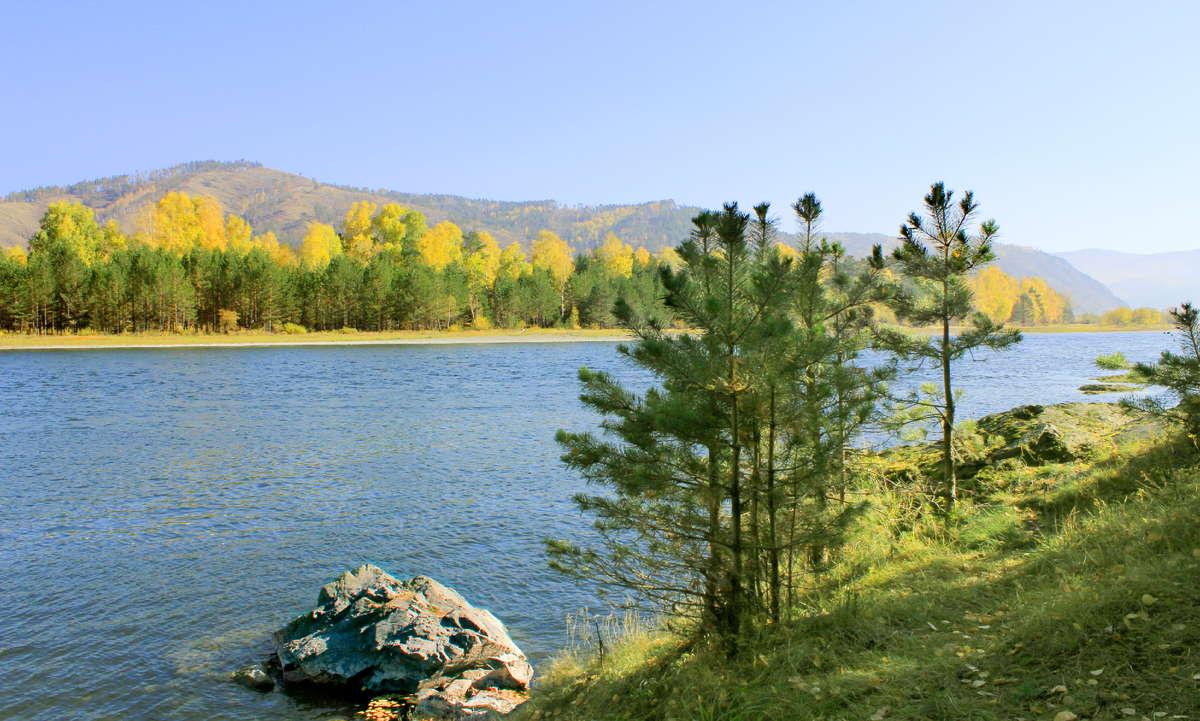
{"x": 417, "y": 638}
{"x": 1093, "y": 389}
{"x": 1031, "y": 435}
{"x": 1037, "y": 435}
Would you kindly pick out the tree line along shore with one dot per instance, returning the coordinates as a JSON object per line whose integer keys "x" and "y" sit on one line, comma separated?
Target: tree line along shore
{"x": 191, "y": 268}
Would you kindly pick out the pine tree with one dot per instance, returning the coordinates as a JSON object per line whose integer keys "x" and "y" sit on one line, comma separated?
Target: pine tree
{"x": 833, "y": 309}
{"x": 1179, "y": 373}
{"x": 939, "y": 273}
{"x": 704, "y": 473}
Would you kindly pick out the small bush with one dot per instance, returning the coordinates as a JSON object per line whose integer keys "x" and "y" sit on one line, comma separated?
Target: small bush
{"x": 227, "y": 321}
{"x": 347, "y": 329}
{"x": 1114, "y": 362}
{"x": 293, "y": 329}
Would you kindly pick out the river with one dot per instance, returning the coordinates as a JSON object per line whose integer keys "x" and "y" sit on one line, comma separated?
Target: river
{"x": 165, "y": 510}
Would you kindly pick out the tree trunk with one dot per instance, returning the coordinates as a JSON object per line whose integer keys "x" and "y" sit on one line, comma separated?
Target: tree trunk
{"x": 772, "y": 538}
{"x": 951, "y": 483}
{"x": 713, "y": 581}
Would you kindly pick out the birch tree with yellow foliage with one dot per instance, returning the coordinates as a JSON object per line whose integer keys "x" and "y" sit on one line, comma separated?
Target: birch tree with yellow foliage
{"x": 615, "y": 256}
{"x": 512, "y": 262}
{"x": 397, "y": 228}
{"x": 554, "y": 255}
{"x": 238, "y": 234}
{"x": 482, "y": 266}
{"x": 320, "y": 245}
{"x": 441, "y": 246}
{"x": 995, "y": 292}
{"x": 357, "y": 237}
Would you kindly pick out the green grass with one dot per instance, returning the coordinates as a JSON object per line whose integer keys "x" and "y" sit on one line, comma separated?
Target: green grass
{"x": 1113, "y": 362}
{"x": 1081, "y": 576}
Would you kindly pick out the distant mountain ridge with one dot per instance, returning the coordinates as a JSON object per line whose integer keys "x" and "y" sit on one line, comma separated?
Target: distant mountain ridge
{"x": 285, "y": 204}
{"x": 1152, "y": 280}
{"x": 1088, "y": 295}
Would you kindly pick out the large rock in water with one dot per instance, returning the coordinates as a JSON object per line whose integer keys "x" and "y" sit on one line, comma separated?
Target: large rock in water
{"x": 371, "y": 631}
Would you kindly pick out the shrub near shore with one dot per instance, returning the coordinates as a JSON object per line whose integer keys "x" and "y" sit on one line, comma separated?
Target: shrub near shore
{"x": 1067, "y": 588}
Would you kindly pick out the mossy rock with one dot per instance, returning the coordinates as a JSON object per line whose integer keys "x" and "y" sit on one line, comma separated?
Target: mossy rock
{"x": 1031, "y": 435}
{"x": 1097, "y": 388}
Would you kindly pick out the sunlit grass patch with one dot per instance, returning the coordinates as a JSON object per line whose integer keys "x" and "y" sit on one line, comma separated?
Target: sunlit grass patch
{"x": 1062, "y": 588}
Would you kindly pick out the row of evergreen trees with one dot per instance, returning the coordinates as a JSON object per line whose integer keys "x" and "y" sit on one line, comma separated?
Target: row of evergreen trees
{"x": 191, "y": 271}
{"x": 143, "y": 289}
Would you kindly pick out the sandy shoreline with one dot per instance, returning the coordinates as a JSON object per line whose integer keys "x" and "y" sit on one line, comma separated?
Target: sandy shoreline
{"x": 259, "y": 340}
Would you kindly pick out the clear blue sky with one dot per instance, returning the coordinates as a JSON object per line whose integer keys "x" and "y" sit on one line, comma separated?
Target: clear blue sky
{"x": 1075, "y": 123}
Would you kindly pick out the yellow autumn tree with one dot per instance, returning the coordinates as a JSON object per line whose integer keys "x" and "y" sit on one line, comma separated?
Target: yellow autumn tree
{"x": 995, "y": 292}
{"x": 441, "y": 246}
{"x": 238, "y": 234}
{"x": 69, "y": 226}
{"x": 553, "y": 254}
{"x": 284, "y": 254}
{"x": 281, "y": 253}
{"x": 1050, "y": 304}
{"x": 481, "y": 265}
{"x": 1146, "y": 316}
{"x": 1118, "y": 316}
{"x": 16, "y": 254}
{"x": 111, "y": 239}
{"x": 397, "y": 228}
{"x": 320, "y": 245}
{"x": 786, "y": 251}
{"x": 642, "y": 256}
{"x": 358, "y": 240}
{"x": 671, "y": 259}
{"x": 512, "y": 262}
{"x": 616, "y": 257}
{"x": 174, "y": 225}
{"x": 211, "y": 220}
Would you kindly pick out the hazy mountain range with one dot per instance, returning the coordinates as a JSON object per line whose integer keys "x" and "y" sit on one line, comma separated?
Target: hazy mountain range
{"x": 1088, "y": 295}
{"x": 1156, "y": 280}
{"x": 285, "y": 203}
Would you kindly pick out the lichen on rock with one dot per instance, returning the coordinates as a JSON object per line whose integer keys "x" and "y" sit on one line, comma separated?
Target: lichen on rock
{"x": 418, "y": 638}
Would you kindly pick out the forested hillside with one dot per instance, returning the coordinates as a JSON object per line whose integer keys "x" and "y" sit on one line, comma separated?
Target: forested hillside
{"x": 286, "y": 204}
{"x": 284, "y": 216}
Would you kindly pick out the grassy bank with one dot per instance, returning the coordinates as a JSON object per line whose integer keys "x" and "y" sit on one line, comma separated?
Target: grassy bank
{"x": 14, "y": 341}
{"x": 1060, "y": 591}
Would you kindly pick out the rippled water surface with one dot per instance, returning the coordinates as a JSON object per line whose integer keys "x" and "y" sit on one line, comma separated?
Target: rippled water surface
{"x": 164, "y": 510}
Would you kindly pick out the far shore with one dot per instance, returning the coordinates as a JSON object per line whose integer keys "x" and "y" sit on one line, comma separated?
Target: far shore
{"x": 97, "y": 341}
{"x": 13, "y": 341}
